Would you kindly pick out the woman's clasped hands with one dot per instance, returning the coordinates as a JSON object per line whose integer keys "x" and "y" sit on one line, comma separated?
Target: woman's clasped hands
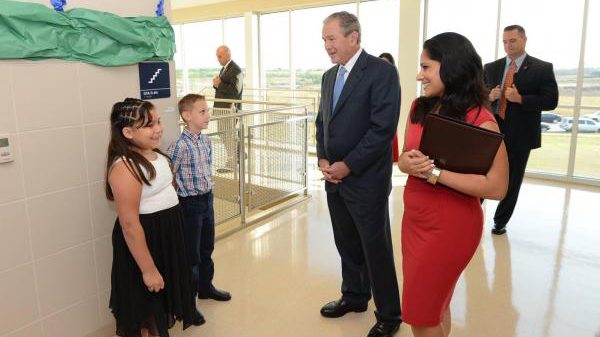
{"x": 414, "y": 162}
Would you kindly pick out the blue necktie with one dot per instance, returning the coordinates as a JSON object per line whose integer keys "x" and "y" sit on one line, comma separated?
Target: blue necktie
{"x": 339, "y": 85}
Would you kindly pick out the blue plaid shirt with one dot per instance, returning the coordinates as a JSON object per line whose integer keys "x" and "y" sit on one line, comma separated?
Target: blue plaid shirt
{"x": 192, "y": 160}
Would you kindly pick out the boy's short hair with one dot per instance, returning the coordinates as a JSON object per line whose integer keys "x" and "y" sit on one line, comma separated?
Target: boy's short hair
{"x": 187, "y": 102}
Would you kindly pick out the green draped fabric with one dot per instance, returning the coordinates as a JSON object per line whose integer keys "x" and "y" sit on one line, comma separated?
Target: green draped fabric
{"x": 34, "y": 31}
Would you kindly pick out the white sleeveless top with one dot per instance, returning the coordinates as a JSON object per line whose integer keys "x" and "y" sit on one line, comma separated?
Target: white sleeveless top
{"x": 160, "y": 194}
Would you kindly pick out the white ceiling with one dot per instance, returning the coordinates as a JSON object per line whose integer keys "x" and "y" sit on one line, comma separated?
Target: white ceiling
{"x": 177, "y": 4}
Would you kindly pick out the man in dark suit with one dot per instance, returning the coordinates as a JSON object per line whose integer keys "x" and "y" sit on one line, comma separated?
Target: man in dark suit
{"x": 229, "y": 85}
{"x": 521, "y": 87}
{"x": 357, "y": 119}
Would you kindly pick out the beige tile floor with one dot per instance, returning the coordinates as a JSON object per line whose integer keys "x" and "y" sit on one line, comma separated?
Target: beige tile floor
{"x": 540, "y": 280}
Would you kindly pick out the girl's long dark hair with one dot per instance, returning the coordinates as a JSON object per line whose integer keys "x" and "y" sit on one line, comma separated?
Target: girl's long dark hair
{"x": 135, "y": 113}
{"x": 461, "y": 71}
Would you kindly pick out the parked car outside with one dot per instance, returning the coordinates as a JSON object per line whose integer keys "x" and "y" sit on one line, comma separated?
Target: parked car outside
{"x": 595, "y": 116}
{"x": 545, "y": 126}
{"x": 550, "y": 117}
{"x": 585, "y": 124}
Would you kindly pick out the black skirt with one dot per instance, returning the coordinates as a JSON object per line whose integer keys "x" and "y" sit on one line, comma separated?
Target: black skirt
{"x": 132, "y": 304}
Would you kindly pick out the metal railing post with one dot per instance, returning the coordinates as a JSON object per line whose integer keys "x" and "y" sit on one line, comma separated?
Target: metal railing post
{"x": 242, "y": 167}
{"x": 306, "y": 152}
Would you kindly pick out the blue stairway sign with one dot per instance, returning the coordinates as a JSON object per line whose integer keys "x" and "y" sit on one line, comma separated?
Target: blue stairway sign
{"x": 154, "y": 80}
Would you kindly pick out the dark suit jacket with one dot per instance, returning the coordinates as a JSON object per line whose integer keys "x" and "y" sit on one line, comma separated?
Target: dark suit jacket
{"x": 229, "y": 87}
{"x": 360, "y": 129}
{"x": 536, "y": 83}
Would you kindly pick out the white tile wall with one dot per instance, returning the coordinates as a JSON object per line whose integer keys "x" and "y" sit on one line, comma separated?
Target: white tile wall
{"x": 56, "y": 224}
{"x": 11, "y": 174}
{"x": 101, "y": 87}
{"x": 17, "y": 291}
{"x": 103, "y": 211}
{"x": 66, "y": 277}
{"x": 59, "y": 220}
{"x": 103, "y": 252}
{"x": 14, "y": 241}
{"x": 46, "y": 101}
{"x": 53, "y": 159}
{"x": 28, "y": 331}
{"x": 76, "y": 321}
{"x": 7, "y": 111}
{"x": 97, "y": 137}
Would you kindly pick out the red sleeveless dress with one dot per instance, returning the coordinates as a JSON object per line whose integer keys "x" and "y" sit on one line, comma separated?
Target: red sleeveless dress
{"x": 441, "y": 229}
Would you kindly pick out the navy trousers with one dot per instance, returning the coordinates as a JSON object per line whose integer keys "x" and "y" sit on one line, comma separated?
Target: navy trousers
{"x": 199, "y": 231}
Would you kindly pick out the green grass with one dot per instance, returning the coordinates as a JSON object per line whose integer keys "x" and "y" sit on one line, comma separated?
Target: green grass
{"x": 553, "y": 156}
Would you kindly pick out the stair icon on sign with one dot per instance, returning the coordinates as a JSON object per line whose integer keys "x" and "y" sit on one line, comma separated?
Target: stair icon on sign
{"x": 155, "y": 75}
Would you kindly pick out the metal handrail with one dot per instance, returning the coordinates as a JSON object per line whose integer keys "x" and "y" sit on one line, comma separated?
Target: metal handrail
{"x": 281, "y": 122}
{"x": 266, "y": 90}
{"x": 271, "y": 89}
{"x": 284, "y": 89}
{"x": 227, "y": 100}
{"x": 244, "y": 126}
{"x": 562, "y": 106}
{"x": 241, "y": 113}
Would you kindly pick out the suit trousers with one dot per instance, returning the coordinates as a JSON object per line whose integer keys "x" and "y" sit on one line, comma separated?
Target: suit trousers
{"x": 199, "y": 230}
{"x": 517, "y": 162}
{"x": 363, "y": 239}
{"x": 228, "y": 138}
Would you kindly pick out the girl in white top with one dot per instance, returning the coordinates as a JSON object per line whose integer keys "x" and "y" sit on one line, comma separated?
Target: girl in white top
{"x": 151, "y": 285}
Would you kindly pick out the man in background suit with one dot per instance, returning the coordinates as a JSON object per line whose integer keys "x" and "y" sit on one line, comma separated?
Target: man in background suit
{"x": 360, "y": 104}
{"x": 521, "y": 87}
{"x": 229, "y": 85}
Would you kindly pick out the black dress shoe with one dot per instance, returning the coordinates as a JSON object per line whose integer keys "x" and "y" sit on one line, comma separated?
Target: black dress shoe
{"x": 381, "y": 329}
{"x": 499, "y": 229}
{"x": 341, "y": 307}
{"x": 215, "y": 294}
{"x": 198, "y": 319}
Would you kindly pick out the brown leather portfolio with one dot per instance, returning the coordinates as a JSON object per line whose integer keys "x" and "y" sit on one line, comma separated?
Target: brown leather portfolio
{"x": 458, "y": 146}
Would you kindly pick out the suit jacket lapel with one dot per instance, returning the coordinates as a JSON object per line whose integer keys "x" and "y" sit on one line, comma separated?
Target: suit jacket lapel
{"x": 500, "y": 70}
{"x": 227, "y": 68}
{"x": 353, "y": 79}
{"x": 328, "y": 84}
{"x": 524, "y": 67}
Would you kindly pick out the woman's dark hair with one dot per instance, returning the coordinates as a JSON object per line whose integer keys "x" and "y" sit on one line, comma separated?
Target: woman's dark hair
{"x": 135, "y": 113}
{"x": 388, "y": 57}
{"x": 461, "y": 72}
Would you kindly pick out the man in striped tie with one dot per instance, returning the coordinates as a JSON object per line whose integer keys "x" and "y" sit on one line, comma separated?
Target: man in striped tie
{"x": 521, "y": 87}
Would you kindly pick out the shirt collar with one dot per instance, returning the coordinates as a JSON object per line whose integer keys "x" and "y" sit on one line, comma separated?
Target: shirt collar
{"x": 350, "y": 64}
{"x": 191, "y": 135}
{"x": 226, "y": 65}
{"x": 519, "y": 60}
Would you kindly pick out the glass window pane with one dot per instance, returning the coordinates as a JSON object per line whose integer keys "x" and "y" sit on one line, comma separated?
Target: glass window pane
{"x": 381, "y": 35}
{"x": 275, "y": 42}
{"x": 534, "y": 16}
{"x": 201, "y": 40}
{"x": 234, "y": 37}
{"x": 476, "y": 20}
{"x": 587, "y": 157}
{"x": 308, "y": 53}
{"x": 178, "y": 58}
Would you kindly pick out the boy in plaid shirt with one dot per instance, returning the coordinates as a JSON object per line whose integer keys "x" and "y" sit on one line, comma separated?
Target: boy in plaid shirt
{"x": 192, "y": 158}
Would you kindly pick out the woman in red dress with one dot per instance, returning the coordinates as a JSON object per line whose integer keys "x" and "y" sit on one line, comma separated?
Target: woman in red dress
{"x": 443, "y": 219}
